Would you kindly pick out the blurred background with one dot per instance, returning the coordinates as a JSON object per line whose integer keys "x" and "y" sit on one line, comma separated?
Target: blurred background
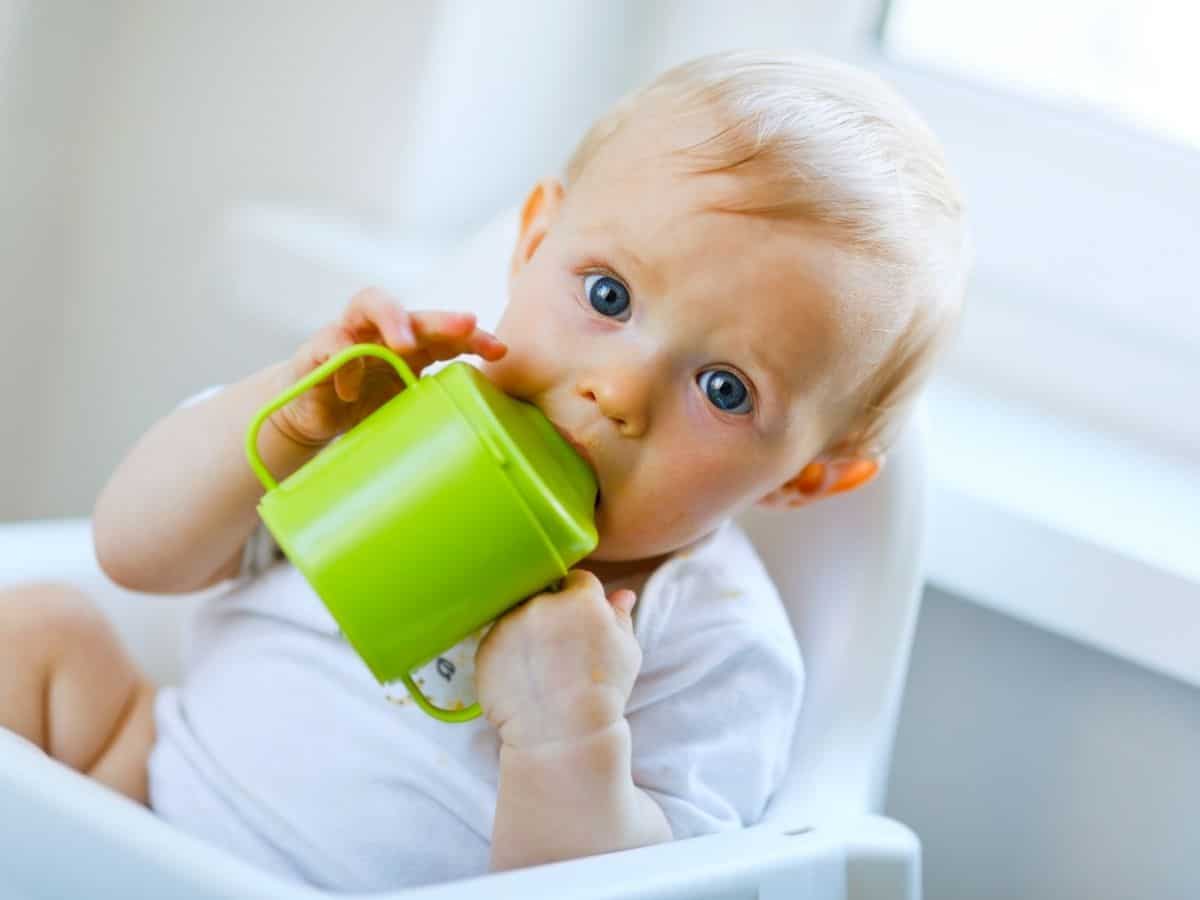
{"x": 188, "y": 189}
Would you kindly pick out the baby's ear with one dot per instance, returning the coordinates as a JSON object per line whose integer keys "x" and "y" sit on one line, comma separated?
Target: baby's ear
{"x": 823, "y": 477}
{"x": 541, "y": 206}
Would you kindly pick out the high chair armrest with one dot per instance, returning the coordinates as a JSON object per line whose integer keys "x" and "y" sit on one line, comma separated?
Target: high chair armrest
{"x": 863, "y": 858}
{"x": 65, "y": 835}
{"x": 112, "y": 847}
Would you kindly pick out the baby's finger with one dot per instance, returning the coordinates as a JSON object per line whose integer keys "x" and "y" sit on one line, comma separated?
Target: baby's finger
{"x": 475, "y": 341}
{"x": 440, "y": 335}
{"x": 438, "y": 327}
{"x": 379, "y": 385}
{"x": 373, "y": 311}
{"x": 488, "y": 348}
{"x": 347, "y": 380}
{"x": 487, "y": 345}
{"x": 324, "y": 344}
{"x": 623, "y": 602}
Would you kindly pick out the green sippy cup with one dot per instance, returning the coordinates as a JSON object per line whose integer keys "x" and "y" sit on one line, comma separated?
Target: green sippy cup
{"x": 444, "y": 508}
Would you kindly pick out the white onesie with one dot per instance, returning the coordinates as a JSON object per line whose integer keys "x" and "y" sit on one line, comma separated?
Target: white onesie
{"x": 280, "y": 746}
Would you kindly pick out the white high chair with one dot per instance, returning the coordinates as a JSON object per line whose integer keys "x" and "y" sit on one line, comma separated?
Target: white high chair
{"x": 849, "y": 571}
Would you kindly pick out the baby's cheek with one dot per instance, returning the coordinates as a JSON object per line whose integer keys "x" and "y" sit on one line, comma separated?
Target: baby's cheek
{"x": 653, "y": 517}
{"x": 516, "y": 374}
{"x": 533, "y": 360}
{"x": 696, "y": 497}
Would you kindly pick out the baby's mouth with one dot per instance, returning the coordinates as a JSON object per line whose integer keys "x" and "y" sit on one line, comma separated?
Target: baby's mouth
{"x": 584, "y": 454}
{"x": 576, "y": 446}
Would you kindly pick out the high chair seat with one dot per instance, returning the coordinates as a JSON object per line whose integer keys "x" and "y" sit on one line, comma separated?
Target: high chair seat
{"x": 849, "y": 570}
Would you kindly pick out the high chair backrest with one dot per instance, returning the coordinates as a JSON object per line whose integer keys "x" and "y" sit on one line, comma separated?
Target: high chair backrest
{"x": 849, "y": 571}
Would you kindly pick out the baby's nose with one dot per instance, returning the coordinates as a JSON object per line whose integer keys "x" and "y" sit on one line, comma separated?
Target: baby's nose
{"x": 622, "y": 399}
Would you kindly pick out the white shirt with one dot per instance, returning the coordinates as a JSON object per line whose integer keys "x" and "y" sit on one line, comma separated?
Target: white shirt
{"x": 280, "y": 746}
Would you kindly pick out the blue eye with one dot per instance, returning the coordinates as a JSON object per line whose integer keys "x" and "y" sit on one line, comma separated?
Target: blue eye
{"x": 726, "y": 391}
{"x": 607, "y": 295}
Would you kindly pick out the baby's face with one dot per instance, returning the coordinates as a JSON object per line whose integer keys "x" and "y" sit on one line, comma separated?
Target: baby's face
{"x": 692, "y": 353}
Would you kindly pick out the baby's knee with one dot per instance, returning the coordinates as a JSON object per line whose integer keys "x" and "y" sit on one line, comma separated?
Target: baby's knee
{"x": 68, "y": 685}
{"x": 48, "y": 615}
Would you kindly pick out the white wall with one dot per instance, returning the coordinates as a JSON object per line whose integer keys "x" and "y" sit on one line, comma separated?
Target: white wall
{"x": 48, "y": 55}
{"x": 192, "y": 107}
{"x": 1035, "y": 768}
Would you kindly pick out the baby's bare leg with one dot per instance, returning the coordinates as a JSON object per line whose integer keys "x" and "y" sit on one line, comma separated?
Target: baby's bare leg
{"x": 68, "y": 685}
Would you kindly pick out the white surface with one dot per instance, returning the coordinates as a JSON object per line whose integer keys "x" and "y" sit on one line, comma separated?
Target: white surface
{"x": 1076, "y": 531}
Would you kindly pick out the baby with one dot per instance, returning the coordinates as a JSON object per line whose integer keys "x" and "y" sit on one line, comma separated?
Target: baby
{"x": 732, "y": 297}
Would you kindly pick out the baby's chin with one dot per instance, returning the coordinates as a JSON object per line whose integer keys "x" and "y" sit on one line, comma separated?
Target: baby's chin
{"x": 625, "y": 536}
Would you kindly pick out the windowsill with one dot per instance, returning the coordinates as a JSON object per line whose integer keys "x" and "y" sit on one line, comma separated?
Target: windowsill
{"x": 1073, "y": 530}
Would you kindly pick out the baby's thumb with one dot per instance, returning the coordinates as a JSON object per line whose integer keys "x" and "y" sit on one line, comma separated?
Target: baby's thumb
{"x": 623, "y": 601}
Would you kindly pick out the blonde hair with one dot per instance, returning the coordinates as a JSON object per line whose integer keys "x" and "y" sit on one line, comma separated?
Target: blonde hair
{"x": 831, "y": 144}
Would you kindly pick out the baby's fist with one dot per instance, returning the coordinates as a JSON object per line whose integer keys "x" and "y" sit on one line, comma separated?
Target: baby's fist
{"x": 362, "y": 385}
{"x": 560, "y": 666}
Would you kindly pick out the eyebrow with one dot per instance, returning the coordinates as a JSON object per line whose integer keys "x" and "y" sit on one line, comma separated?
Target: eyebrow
{"x": 778, "y": 386}
{"x": 624, "y": 250}
{"x": 616, "y": 246}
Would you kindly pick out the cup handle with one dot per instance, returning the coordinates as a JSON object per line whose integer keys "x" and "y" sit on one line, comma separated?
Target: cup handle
{"x": 313, "y": 378}
{"x": 446, "y": 715}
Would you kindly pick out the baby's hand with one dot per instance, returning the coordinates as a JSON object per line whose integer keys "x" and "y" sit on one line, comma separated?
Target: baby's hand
{"x": 560, "y": 666}
{"x": 362, "y": 385}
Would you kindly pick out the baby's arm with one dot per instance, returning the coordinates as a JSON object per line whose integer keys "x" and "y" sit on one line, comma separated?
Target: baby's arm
{"x": 554, "y": 675}
{"x": 178, "y": 509}
{"x": 572, "y": 798}
{"x": 584, "y": 768}
{"x": 176, "y": 513}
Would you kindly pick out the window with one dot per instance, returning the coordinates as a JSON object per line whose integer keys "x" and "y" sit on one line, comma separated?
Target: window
{"x": 1068, "y": 127}
{"x": 1136, "y": 61}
